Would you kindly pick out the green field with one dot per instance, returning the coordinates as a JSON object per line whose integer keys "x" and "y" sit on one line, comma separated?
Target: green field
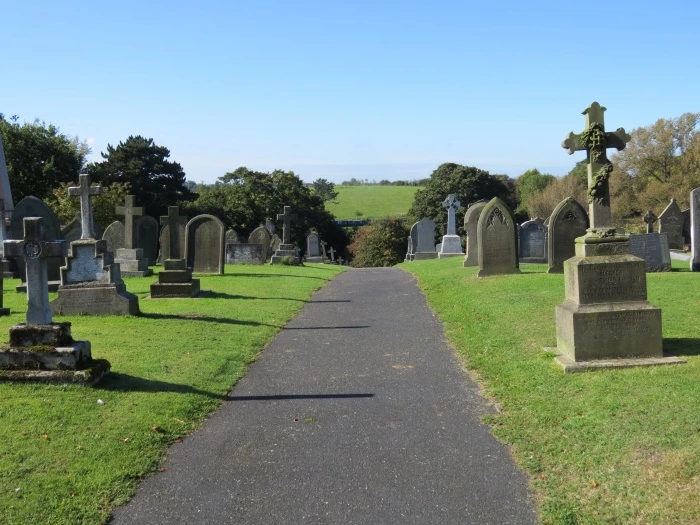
{"x": 610, "y": 446}
{"x": 66, "y": 458}
{"x": 371, "y": 201}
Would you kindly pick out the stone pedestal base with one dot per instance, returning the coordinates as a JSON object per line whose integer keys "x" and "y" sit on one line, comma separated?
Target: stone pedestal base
{"x": 285, "y": 250}
{"x": 451, "y": 246}
{"x": 132, "y": 262}
{"x": 95, "y": 299}
{"x": 175, "y": 280}
{"x": 572, "y": 367}
{"x": 314, "y": 259}
{"x": 48, "y": 353}
{"x": 421, "y": 256}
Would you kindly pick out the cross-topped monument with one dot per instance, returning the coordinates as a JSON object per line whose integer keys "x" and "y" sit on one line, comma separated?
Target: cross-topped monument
{"x": 129, "y": 211}
{"x": 85, "y": 191}
{"x": 172, "y": 220}
{"x": 451, "y": 203}
{"x": 34, "y": 249}
{"x": 332, "y": 252}
{"x": 595, "y": 141}
{"x": 650, "y": 219}
{"x": 287, "y": 217}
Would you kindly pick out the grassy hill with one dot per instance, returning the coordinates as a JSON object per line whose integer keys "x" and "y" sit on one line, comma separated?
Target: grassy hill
{"x": 371, "y": 201}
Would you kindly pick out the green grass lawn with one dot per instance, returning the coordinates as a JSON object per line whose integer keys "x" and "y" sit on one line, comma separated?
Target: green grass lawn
{"x": 371, "y": 201}
{"x": 65, "y": 458}
{"x": 612, "y": 446}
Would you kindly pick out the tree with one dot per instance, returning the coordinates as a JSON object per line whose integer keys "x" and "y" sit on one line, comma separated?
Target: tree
{"x": 39, "y": 157}
{"x": 381, "y": 243}
{"x": 156, "y": 181}
{"x": 542, "y": 204}
{"x": 103, "y": 206}
{"x": 469, "y": 185}
{"x": 530, "y": 184}
{"x": 324, "y": 189}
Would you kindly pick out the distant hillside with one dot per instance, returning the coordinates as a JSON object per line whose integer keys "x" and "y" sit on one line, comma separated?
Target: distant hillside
{"x": 371, "y": 201}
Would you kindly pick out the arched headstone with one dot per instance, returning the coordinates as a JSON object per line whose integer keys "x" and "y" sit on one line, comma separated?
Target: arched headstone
{"x": 532, "y": 247}
{"x": 232, "y": 237}
{"x": 568, "y": 221}
{"x": 496, "y": 234}
{"x": 204, "y": 238}
{"x": 471, "y": 219}
{"x": 260, "y": 235}
{"x": 114, "y": 235}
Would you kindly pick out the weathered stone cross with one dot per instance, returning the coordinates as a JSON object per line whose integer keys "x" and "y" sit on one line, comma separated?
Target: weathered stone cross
{"x": 650, "y": 219}
{"x": 595, "y": 141}
{"x": 35, "y": 250}
{"x": 129, "y": 211}
{"x": 85, "y": 191}
{"x": 172, "y": 220}
{"x": 332, "y": 252}
{"x": 451, "y": 203}
{"x": 323, "y": 248}
{"x": 287, "y": 217}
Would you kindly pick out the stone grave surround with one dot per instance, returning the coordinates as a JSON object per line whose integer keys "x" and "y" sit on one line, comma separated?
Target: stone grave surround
{"x": 497, "y": 240}
{"x": 695, "y": 230}
{"x": 451, "y": 245}
{"x": 671, "y": 222}
{"x": 567, "y": 222}
{"x": 204, "y": 239}
{"x": 532, "y": 242}
{"x": 175, "y": 279}
{"x": 286, "y": 249}
{"x": 652, "y": 248}
{"x": 130, "y": 258}
{"x": 424, "y": 240}
{"x": 471, "y": 220}
{"x": 605, "y": 319}
{"x": 40, "y": 350}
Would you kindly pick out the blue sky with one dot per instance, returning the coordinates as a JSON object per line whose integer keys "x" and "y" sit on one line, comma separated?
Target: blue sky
{"x": 334, "y": 89}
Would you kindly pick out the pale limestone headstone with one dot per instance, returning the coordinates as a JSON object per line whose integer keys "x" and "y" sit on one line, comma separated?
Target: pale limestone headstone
{"x": 204, "y": 241}
{"x": 567, "y": 222}
{"x": 497, "y": 241}
{"x": 313, "y": 245}
{"x": 671, "y": 222}
{"x": 232, "y": 237}
{"x": 471, "y": 220}
{"x": 409, "y": 250}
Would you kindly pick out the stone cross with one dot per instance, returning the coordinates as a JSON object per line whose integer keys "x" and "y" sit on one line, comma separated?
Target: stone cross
{"x": 129, "y": 211}
{"x": 287, "y": 217}
{"x": 451, "y": 204}
{"x": 323, "y": 248}
{"x": 332, "y": 252}
{"x": 172, "y": 220}
{"x": 85, "y": 191}
{"x": 595, "y": 141}
{"x": 35, "y": 250}
{"x": 650, "y": 219}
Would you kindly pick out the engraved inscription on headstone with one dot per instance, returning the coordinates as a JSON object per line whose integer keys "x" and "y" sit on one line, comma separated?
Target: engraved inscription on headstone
{"x": 496, "y": 235}
{"x": 533, "y": 248}
{"x": 653, "y": 248}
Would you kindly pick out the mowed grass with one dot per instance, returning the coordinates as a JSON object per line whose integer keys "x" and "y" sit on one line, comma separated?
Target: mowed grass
{"x": 612, "y": 446}
{"x": 65, "y": 458}
{"x": 371, "y": 201}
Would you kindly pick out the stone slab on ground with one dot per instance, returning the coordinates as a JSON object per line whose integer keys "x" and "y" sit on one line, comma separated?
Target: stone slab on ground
{"x": 572, "y": 367}
{"x": 358, "y": 412}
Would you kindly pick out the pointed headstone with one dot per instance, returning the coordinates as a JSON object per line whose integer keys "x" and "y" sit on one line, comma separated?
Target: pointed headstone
{"x": 671, "y": 223}
{"x": 496, "y": 234}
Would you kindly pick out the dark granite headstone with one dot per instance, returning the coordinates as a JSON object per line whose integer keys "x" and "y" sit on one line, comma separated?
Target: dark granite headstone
{"x": 114, "y": 235}
{"x": 653, "y": 248}
{"x": 204, "y": 238}
{"x": 261, "y": 236}
{"x": 532, "y": 245}
{"x": 496, "y": 234}
{"x": 424, "y": 240}
{"x": 568, "y": 221}
{"x": 147, "y": 237}
{"x": 243, "y": 253}
{"x": 671, "y": 222}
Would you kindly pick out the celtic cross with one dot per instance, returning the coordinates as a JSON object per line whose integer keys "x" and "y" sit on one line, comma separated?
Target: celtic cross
{"x": 451, "y": 203}
{"x": 85, "y": 191}
{"x": 650, "y": 219}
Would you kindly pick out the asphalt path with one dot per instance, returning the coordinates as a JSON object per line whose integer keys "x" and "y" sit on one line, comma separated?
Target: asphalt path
{"x": 357, "y": 413}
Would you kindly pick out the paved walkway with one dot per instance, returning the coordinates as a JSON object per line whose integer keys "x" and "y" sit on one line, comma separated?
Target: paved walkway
{"x": 357, "y": 413}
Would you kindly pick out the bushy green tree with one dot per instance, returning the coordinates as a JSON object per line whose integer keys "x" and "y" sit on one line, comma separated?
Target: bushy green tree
{"x": 324, "y": 189}
{"x": 381, "y": 243}
{"x": 103, "y": 206}
{"x": 529, "y": 184}
{"x": 156, "y": 181}
{"x": 39, "y": 157}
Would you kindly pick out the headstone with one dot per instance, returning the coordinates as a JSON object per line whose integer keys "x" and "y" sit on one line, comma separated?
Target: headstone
{"x": 471, "y": 219}
{"x": 72, "y": 231}
{"x": 275, "y": 243}
{"x": 172, "y": 246}
{"x": 147, "y": 237}
{"x": 175, "y": 279}
{"x": 671, "y": 222}
{"x": 205, "y": 237}
{"x": 232, "y": 237}
{"x": 605, "y": 318}
{"x": 313, "y": 248}
{"x": 653, "y": 248}
{"x": 424, "y": 240}
{"x": 532, "y": 242}
{"x": 451, "y": 245}
{"x": 131, "y": 258}
{"x": 695, "y": 230}
{"x": 650, "y": 219}
{"x": 286, "y": 249}
{"x": 568, "y": 221}
{"x": 34, "y": 207}
{"x": 114, "y": 236}
{"x": 261, "y": 236}
{"x": 686, "y": 226}
{"x": 41, "y": 350}
{"x": 409, "y": 250}
{"x": 497, "y": 240}
{"x": 244, "y": 253}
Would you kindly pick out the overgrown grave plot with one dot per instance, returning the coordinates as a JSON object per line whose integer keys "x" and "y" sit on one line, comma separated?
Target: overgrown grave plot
{"x": 611, "y": 446}
{"x": 70, "y": 454}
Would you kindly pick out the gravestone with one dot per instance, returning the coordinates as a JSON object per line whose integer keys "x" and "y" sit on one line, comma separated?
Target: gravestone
{"x": 497, "y": 241}
{"x": 270, "y": 226}
{"x": 653, "y": 248}
{"x": 686, "y": 226}
{"x": 671, "y": 222}
{"x": 695, "y": 230}
{"x": 130, "y": 258}
{"x": 424, "y": 240}
{"x": 451, "y": 245}
{"x": 147, "y": 237}
{"x": 332, "y": 252}
{"x": 91, "y": 282}
{"x": 34, "y": 207}
{"x": 605, "y": 319}
{"x": 42, "y": 350}
{"x": 169, "y": 242}
{"x": 204, "y": 238}
{"x": 313, "y": 248}
{"x": 650, "y": 219}
{"x": 532, "y": 244}
{"x": 568, "y": 221}
{"x": 471, "y": 220}
{"x": 232, "y": 237}
{"x": 72, "y": 231}
{"x": 114, "y": 236}
{"x": 175, "y": 279}
{"x": 275, "y": 243}
{"x": 409, "y": 250}
{"x": 286, "y": 249}
{"x": 244, "y": 253}
{"x": 261, "y": 236}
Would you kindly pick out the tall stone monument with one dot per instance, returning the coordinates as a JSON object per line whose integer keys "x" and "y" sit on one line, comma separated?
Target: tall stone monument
{"x": 605, "y": 319}
{"x": 130, "y": 258}
{"x": 41, "y": 350}
{"x": 286, "y": 249}
{"x": 175, "y": 279}
{"x": 451, "y": 245}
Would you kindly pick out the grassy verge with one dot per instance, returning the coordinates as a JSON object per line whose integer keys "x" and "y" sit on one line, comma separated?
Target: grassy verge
{"x": 371, "y": 201}
{"x": 614, "y": 446}
{"x": 65, "y": 458}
